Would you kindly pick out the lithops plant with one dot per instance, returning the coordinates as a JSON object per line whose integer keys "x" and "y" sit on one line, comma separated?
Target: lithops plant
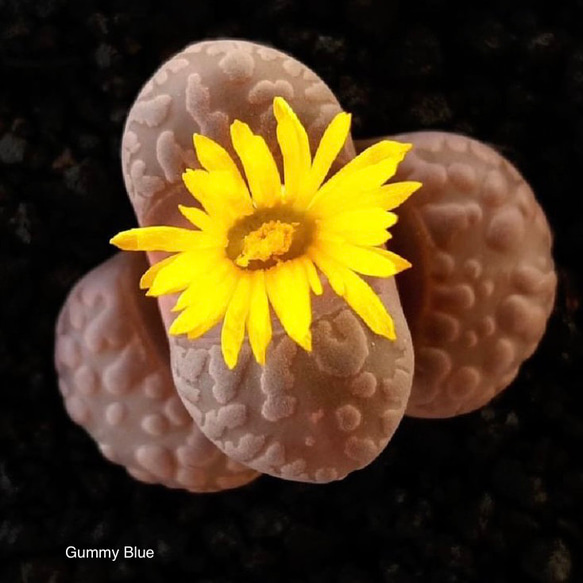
{"x": 308, "y": 416}
{"x": 287, "y": 342}
{"x": 112, "y": 359}
{"x": 484, "y": 283}
{"x": 311, "y": 408}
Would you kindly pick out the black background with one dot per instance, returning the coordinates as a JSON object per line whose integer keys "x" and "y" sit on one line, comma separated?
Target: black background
{"x": 493, "y": 496}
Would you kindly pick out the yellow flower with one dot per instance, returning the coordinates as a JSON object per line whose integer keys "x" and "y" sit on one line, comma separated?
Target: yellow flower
{"x": 258, "y": 242}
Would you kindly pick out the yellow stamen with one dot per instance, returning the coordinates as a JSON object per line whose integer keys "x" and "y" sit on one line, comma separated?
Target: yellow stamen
{"x": 270, "y": 241}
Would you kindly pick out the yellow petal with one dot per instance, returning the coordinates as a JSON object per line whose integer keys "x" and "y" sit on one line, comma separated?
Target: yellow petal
{"x": 311, "y": 274}
{"x": 233, "y": 330}
{"x": 369, "y": 170}
{"x": 173, "y": 277}
{"x": 400, "y": 262}
{"x": 295, "y": 148}
{"x": 365, "y": 302}
{"x": 259, "y": 322}
{"x": 379, "y": 152}
{"x": 169, "y": 239}
{"x": 197, "y": 217}
{"x": 203, "y": 326}
{"x": 330, "y": 268}
{"x": 362, "y": 219}
{"x": 260, "y": 168}
{"x": 212, "y": 228}
{"x": 217, "y": 193}
{"x": 368, "y": 261}
{"x": 181, "y": 272}
{"x": 289, "y": 294}
{"x": 362, "y": 227}
{"x": 197, "y": 183}
{"x": 354, "y": 184}
{"x": 393, "y": 195}
{"x": 190, "y": 318}
{"x": 208, "y": 307}
{"x": 362, "y": 238}
{"x": 366, "y": 238}
{"x": 214, "y": 158}
{"x": 211, "y": 279}
{"x": 198, "y": 321}
{"x": 386, "y": 197}
{"x": 330, "y": 145}
{"x": 357, "y": 293}
{"x": 148, "y": 278}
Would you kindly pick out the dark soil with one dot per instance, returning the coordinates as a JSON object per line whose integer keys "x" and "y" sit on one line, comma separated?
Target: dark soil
{"x": 493, "y": 496}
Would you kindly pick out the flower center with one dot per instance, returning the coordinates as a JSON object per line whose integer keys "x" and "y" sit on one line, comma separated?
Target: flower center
{"x": 270, "y": 241}
{"x": 268, "y": 237}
